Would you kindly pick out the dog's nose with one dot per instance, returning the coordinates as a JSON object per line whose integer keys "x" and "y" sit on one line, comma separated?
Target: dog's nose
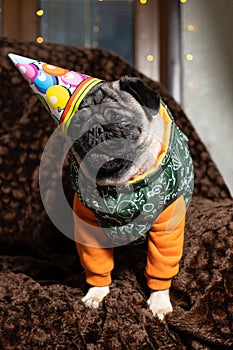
{"x": 96, "y": 135}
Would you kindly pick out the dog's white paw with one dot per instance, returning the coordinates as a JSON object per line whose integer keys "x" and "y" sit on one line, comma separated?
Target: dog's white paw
{"x": 159, "y": 303}
{"x": 94, "y": 297}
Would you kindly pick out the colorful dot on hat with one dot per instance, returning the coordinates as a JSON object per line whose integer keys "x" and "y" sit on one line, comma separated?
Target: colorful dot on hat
{"x": 73, "y": 78}
{"x": 54, "y": 70}
{"x": 43, "y": 81}
{"x": 57, "y": 97}
{"x": 29, "y": 71}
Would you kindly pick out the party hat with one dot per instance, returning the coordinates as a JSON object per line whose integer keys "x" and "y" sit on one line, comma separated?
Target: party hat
{"x": 60, "y": 90}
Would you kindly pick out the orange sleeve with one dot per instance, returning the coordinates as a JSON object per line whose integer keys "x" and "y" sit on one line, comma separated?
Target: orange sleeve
{"x": 90, "y": 239}
{"x": 165, "y": 246}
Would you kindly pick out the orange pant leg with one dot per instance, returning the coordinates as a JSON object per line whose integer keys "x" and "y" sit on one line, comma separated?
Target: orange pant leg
{"x": 91, "y": 243}
{"x": 165, "y": 246}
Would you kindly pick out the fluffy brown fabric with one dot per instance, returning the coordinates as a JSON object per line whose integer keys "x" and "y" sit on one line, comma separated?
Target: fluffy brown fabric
{"x": 41, "y": 280}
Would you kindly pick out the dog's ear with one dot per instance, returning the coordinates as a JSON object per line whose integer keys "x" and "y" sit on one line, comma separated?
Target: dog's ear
{"x": 145, "y": 96}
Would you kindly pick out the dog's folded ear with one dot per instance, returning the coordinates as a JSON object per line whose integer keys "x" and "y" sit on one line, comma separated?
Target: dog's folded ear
{"x": 145, "y": 96}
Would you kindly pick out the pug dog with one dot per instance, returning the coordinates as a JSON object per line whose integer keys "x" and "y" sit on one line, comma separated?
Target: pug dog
{"x": 133, "y": 178}
{"x": 131, "y": 171}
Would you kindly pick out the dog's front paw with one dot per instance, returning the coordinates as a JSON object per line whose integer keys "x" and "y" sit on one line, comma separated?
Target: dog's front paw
{"x": 159, "y": 303}
{"x": 94, "y": 297}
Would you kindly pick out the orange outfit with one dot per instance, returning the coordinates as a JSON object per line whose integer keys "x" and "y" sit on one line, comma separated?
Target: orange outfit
{"x": 161, "y": 195}
{"x": 165, "y": 246}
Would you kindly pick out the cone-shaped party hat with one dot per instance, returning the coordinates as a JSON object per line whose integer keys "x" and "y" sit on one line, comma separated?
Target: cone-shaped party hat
{"x": 60, "y": 90}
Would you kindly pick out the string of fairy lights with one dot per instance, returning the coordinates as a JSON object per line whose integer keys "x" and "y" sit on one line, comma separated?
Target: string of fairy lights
{"x": 96, "y": 29}
{"x": 190, "y": 27}
{"x": 40, "y": 13}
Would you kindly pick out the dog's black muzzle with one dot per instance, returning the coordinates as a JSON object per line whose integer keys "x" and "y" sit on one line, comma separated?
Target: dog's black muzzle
{"x": 111, "y": 139}
{"x": 107, "y": 147}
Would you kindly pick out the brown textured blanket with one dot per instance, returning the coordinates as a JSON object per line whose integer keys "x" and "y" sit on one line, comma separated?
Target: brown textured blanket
{"x": 41, "y": 280}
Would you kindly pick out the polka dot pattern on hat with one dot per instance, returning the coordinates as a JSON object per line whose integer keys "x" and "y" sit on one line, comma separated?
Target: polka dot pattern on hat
{"x": 54, "y": 86}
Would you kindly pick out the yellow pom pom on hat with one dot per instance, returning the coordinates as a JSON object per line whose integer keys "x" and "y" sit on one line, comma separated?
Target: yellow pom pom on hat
{"x": 60, "y": 90}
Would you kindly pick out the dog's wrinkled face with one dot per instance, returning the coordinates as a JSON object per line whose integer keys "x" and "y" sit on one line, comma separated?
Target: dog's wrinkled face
{"x": 112, "y": 130}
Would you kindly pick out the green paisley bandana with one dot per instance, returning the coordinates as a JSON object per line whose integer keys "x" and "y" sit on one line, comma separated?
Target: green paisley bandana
{"x": 126, "y": 213}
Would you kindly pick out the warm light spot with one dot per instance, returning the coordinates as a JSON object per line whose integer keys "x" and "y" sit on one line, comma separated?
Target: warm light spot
{"x": 40, "y": 13}
{"x": 96, "y": 29}
{"x": 39, "y": 40}
{"x": 191, "y": 84}
{"x": 183, "y": 1}
{"x": 189, "y": 57}
{"x": 95, "y": 44}
{"x": 150, "y": 58}
{"x": 190, "y": 27}
{"x": 143, "y": 2}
